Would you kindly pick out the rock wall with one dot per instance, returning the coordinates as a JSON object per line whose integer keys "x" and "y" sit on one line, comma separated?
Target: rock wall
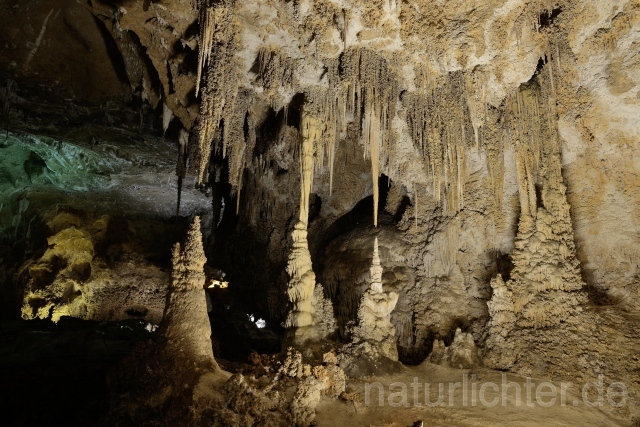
{"x": 434, "y": 95}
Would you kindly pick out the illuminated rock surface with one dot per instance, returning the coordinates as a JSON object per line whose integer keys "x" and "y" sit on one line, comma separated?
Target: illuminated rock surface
{"x": 489, "y": 148}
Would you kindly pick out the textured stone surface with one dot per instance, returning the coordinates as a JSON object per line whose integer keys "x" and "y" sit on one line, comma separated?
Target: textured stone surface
{"x": 493, "y": 144}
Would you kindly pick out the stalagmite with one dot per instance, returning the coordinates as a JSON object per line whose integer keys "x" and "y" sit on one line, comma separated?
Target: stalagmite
{"x": 185, "y": 332}
{"x": 179, "y": 362}
{"x": 374, "y": 336}
{"x": 545, "y": 283}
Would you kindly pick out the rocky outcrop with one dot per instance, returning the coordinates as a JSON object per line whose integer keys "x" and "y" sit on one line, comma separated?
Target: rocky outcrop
{"x": 89, "y": 272}
{"x": 461, "y": 354}
{"x": 268, "y": 401}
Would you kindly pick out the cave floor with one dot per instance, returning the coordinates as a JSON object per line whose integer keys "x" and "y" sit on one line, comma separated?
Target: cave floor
{"x": 455, "y": 409}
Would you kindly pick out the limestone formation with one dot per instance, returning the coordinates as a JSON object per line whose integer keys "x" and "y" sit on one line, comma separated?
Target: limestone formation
{"x": 461, "y": 354}
{"x": 545, "y": 288}
{"x": 87, "y": 272}
{"x": 246, "y": 400}
{"x": 215, "y": 62}
{"x": 310, "y": 317}
{"x": 185, "y": 331}
{"x": 501, "y": 136}
{"x": 374, "y": 336}
{"x": 324, "y": 316}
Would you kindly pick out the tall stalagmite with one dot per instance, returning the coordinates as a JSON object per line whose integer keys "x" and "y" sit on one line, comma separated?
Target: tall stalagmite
{"x": 375, "y": 336}
{"x": 545, "y": 285}
{"x": 185, "y": 331}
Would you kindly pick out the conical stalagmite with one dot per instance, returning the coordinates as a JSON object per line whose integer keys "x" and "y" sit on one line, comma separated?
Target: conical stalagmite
{"x": 374, "y": 336}
{"x": 544, "y": 290}
{"x": 185, "y": 331}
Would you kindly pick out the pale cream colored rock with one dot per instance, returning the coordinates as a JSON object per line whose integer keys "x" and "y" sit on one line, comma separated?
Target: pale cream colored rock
{"x": 185, "y": 331}
{"x": 374, "y": 335}
{"x": 461, "y": 354}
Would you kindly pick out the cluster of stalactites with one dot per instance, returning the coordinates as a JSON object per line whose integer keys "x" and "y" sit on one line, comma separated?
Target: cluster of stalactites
{"x": 372, "y": 95}
{"x": 216, "y": 69}
{"x": 239, "y": 138}
{"x": 275, "y": 73}
{"x": 443, "y": 121}
{"x": 329, "y": 110}
{"x": 364, "y": 88}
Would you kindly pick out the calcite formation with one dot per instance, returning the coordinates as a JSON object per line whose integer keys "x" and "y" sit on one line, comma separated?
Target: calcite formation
{"x": 302, "y": 281}
{"x": 461, "y": 354}
{"x": 175, "y": 377}
{"x": 185, "y": 331}
{"x": 545, "y": 288}
{"x": 480, "y": 141}
{"x": 310, "y": 317}
{"x": 375, "y": 336}
{"x": 88, "y": 272}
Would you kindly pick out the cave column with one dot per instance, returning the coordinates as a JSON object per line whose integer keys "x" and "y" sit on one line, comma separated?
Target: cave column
{"x": 301, "y": 319}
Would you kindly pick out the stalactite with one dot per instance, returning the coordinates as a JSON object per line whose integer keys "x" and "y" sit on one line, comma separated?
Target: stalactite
{"x": 372, "y": 92}
{"x": 310, "y": 129}
{"x": 441, "y": 116}
{"x": 167, "y": 115}
{"x": 275, "y": 72}
{"x": 240, "y": 143}
{"x": 181, "y": 168}
{"x": 330, "y": 110}
{"x": 415, "y": 202}
{"x": 220, "y": 81}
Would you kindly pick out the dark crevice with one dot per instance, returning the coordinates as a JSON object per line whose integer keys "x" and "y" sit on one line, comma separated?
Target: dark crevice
{"x": 156, "y": 83}
{"x": 541, "y": 63}
{"x": 117, "y": 61}
{"x": 547, "y": 18}
{"x": 294, "y": 110}
{"x": 404, "y": 205}
{"x": 170, "y": 78}
{"x": 315, "y": 204}
{"x": 539, "y": 201}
